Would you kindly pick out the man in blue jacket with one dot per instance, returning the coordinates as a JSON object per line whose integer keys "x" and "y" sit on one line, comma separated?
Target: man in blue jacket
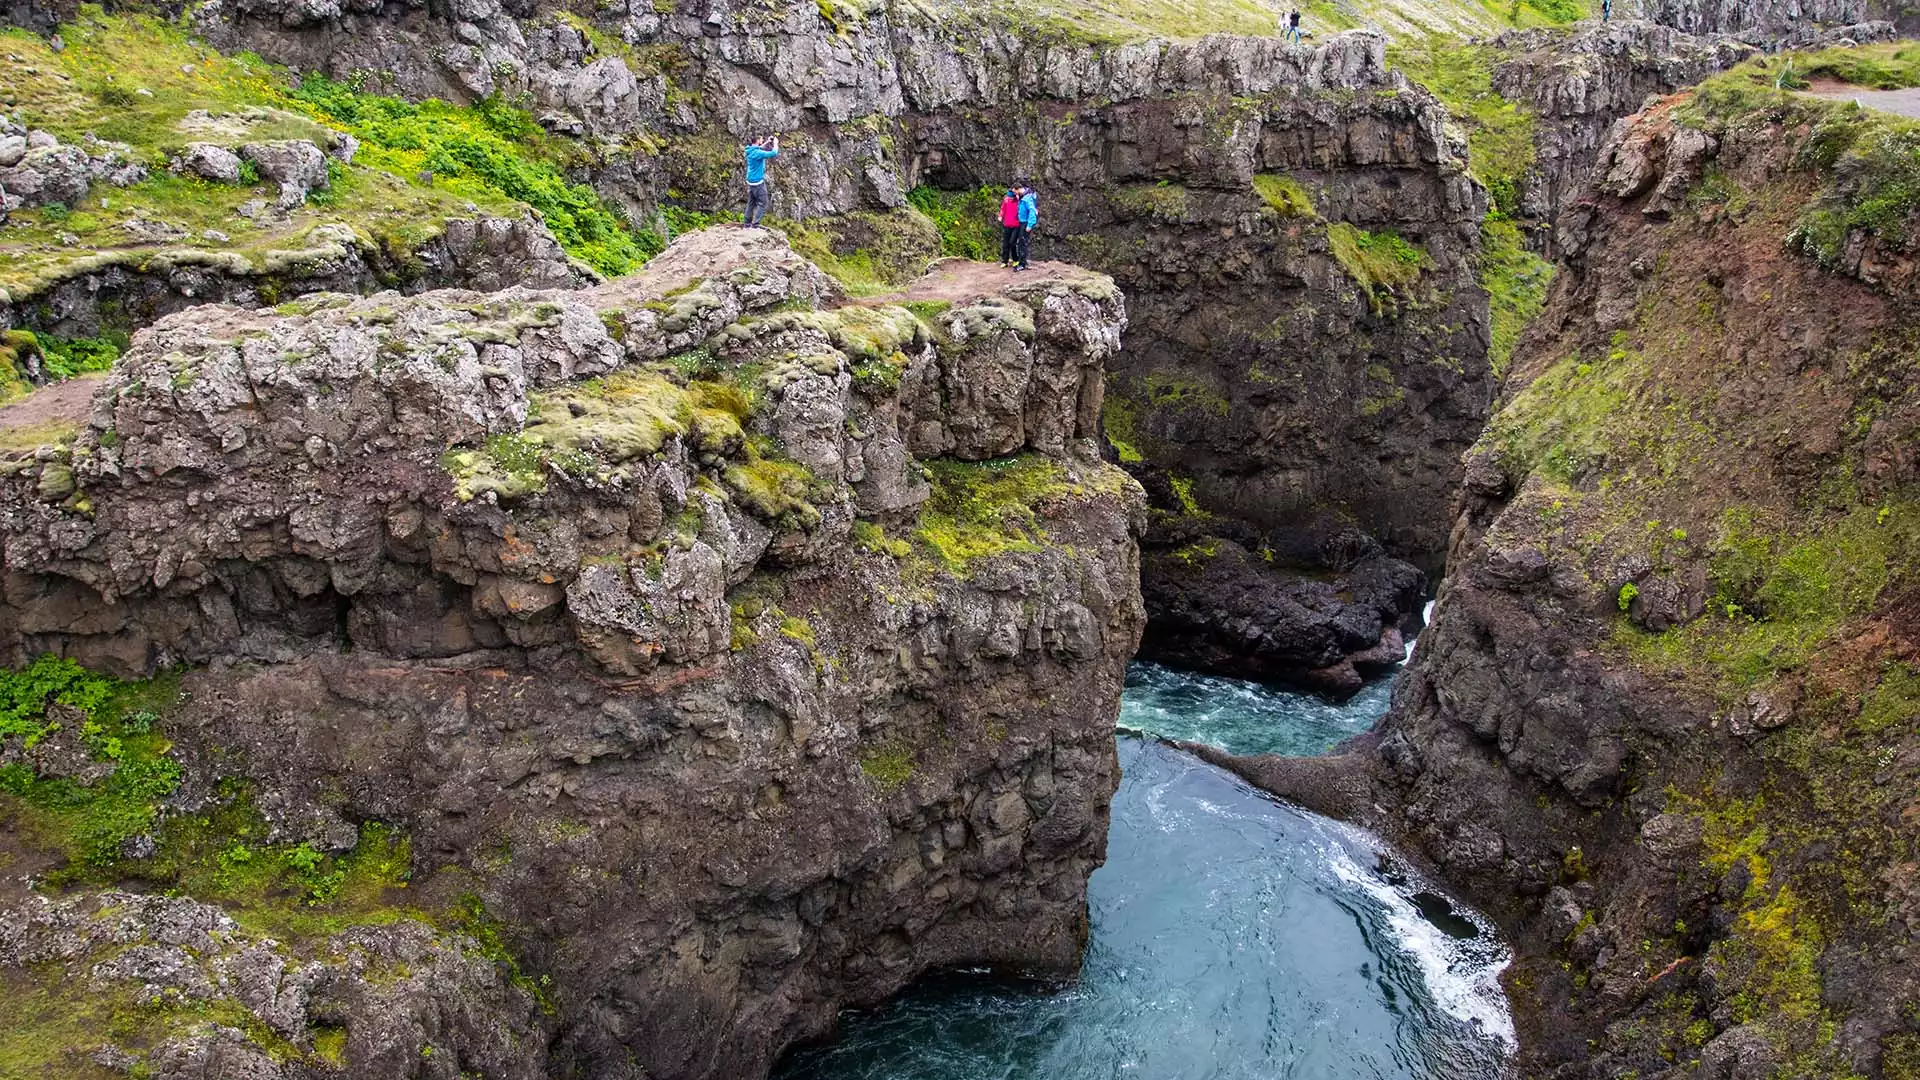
{"x": 759, "y": 195}
{"x": 1029, "y": 214}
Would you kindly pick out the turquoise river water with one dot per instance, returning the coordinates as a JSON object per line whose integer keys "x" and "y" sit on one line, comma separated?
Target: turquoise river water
{"x": 1235, "y": 937}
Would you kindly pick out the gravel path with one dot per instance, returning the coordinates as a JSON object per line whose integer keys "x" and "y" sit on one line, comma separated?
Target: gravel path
{"x": 1904, "y": 102}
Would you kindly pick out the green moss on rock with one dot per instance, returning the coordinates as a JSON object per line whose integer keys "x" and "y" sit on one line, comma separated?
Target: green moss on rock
{"x": 1284, "y": 195}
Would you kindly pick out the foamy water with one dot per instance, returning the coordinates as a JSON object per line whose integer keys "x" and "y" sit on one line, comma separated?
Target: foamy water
{"x": 1234, "y": 937}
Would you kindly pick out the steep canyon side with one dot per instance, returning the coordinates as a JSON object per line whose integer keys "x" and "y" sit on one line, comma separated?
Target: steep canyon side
{"x": 1294, "y": 228}
{"x": 1664, "y": 720}
{"x": 613, "y": 682}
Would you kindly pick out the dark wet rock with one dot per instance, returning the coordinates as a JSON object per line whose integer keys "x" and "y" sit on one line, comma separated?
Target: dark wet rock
{"x": 1214, "y": 606}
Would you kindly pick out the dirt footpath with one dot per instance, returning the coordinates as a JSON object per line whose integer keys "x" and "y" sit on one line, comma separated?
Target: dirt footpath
{"x": 959, "y": 280}
{"x": 63, "y": 405}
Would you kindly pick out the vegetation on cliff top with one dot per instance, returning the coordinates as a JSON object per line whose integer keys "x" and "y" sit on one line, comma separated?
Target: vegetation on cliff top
{"x": 1867, "y": 162}
{"x": 1500, "y": 133}
{"x": 135, "y": 79}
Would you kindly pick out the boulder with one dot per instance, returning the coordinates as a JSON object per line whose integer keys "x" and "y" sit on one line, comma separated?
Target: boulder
{"x": 208, "y": 161}
{"x": 298, "y": 166}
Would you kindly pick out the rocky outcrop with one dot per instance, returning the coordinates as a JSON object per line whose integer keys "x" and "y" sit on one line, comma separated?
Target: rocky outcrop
{"x": 736, "y": 657}
{"x": 134, "y": 287}
{"x": 1662, "y": 722}
{"x": 1216, "y": 604}
{"x": 1580, "y": 83}
{"x": 1271, "y": 364}
{"x": 386, "y": 997}
{"x": 37, "y": 169}
{"x": 1794, "y": 23}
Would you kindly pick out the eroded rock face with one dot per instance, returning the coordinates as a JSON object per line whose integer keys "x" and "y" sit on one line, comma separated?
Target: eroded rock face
{"x": 1264, "y": 366}
{"x": 682, "y": 590}
{"x": 483, "y": 252}
{"x": 1580, "y": 84}
{"x": 1681, "y": 792}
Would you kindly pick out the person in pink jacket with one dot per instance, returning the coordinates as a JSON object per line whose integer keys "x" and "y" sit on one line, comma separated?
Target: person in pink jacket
{"x": 1010, "y": 225}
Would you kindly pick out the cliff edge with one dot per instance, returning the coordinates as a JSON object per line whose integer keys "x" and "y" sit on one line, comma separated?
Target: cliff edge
{"x": 613, "y": 682}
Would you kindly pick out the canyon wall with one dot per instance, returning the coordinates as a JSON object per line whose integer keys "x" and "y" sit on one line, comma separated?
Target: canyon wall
{"x": 1662, "y": 723}
{"x": 614, "y": 682}
{"x": 1293, "y": 226}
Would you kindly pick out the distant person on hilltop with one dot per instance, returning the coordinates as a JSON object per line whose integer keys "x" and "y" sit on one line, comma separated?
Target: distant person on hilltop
{"x": 759, "y": 195}
{"x": 1010, "y": 225}
{"x": 1028, "y": 211}
{"x": 1293, "y": 26}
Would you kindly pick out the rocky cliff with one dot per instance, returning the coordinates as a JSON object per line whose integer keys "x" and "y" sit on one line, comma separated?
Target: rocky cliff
{"x": 1579, "y": 84}
{"x": 1294, "y": 228}
{"x": 1664, "y": 721}
{"x": 614, "y": 682}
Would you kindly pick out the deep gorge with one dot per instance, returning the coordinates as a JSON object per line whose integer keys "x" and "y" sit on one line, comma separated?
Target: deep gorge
{"x": 471, "y": 610}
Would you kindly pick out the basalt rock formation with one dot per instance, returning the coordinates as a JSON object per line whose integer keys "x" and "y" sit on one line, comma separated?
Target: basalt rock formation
{"x": 1663, "y": 723}
{"x": 1580, "y": 84}
{"x": 620, "y": 680}
{"x": 1293, "y": 226}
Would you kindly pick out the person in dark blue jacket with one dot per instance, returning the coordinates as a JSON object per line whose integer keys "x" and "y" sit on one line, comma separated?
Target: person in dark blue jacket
{"x": 1029, "y": 214}
{"x": 759, "y": 195}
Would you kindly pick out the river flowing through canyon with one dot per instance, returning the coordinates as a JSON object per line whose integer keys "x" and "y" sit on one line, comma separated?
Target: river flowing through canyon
{"x": 1233, "y": 935}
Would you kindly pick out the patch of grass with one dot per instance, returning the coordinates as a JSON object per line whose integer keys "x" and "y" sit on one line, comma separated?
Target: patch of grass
{"x": 1868, "y": 161}
{"x": 780, "y": 492}
{"x": 1781, "y": 599}
{"x": 1197, "y": 553}
{"x": 33, "y": 436}
{"x": 1892, "y": 66}
{"x": 55, "y": 1023}
{"x": 1117, "y": 420}
{"x": 979, "y": 510}
{"x": 968, "y": 221}
{"x": 889, "y": 766}
{"x": 1283, "y": 195}
{"x": 1175, "y": 393}
{"x": 88, "y": 822}
{"x": 491, "y": 146}
{"x": 868, "y": 536}
{"x": 1162, "y": 201}
{"x": 483, "y": 154}
{"x": 1380, "y": 263}
{"x": 1562, "y": 424}
{"x": 1516, "y": 282}
{"x": 1500, "y": 133}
